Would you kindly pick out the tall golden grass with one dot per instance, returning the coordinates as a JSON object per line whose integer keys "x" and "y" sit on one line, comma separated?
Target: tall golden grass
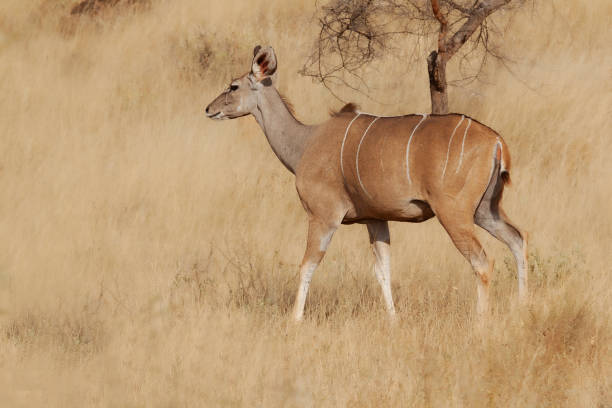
{"x": 149, "y": 256}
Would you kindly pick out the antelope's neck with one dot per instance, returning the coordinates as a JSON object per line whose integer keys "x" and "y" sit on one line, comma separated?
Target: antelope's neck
{"x": 287, "y": 136}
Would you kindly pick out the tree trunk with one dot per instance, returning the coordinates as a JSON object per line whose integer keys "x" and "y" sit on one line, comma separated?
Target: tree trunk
{"x": 448, "y": 46}
{"x": 436, "y": 65}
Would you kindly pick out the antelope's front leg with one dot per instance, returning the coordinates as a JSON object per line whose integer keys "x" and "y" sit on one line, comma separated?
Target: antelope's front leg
{"x": 319, "y": 236}
{"x": 380, "y": 241}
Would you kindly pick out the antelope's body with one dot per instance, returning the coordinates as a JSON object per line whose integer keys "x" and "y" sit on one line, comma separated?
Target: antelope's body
{"x": 399, "y": 168}
{"x": 362, "y": 168}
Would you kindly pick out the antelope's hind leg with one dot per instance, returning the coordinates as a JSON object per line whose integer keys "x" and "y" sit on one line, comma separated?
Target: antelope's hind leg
{"x": 462, "y": 233}
{"x": 490, "y": 216}
{"x": 319, "y": 236}
{"x": 380, "y": 241}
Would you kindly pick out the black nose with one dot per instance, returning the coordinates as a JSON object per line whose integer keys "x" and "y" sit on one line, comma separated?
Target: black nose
{"x": 207, "y": 109}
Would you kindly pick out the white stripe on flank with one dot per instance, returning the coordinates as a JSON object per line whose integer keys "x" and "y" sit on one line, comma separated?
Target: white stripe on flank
{"x": 344, "y": 140}
{"x": 463, "y": 145}
{"x": 449, "y": 145}
{"x": 408, "y": 147}
{"x": 357, "y": 157}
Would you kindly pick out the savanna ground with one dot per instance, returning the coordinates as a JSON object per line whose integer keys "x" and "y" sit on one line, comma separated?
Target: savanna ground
{"x": 149, "y": 255}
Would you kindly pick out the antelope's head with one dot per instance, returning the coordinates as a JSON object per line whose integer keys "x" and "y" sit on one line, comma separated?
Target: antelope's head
{"x": 241, "y": 97}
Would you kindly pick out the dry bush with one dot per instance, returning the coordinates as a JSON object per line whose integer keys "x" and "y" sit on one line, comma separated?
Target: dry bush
{"x": 94, "y": 7}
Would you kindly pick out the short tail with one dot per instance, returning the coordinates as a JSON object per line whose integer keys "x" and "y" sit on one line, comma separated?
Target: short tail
{"x": 503, "y": 155}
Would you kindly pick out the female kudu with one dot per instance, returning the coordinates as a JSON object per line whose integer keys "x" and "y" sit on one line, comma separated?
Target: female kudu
{"x": 361, "y": 168}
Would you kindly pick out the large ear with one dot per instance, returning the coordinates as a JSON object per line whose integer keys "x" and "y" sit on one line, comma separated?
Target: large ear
{"x": 264, "y": 63}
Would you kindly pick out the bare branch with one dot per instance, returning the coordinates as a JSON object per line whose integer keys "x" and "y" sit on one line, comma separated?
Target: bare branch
{"x": 454, "y": 5}
{"x": 355, "y": 33}
{"x": 435, "y": 6}
{"x": 478, "y": 14}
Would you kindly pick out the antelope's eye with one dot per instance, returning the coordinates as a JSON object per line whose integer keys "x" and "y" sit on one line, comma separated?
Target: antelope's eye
{"x": 233, "y": 87}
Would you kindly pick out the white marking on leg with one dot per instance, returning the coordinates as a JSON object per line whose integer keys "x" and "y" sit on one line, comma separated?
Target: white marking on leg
{"x": 449, "y": 146}
{"x": 522, "y": 280}
{"x": 379, "y": 237}
{"x": 408, "y": 147}
{"x": 463, "y": 145}
{"x": 306, "y": 276}
{"x": 325, "y": 241}
{"x": 357, "y": 157}
{"x": 344, "y": 140}
{"x": 519, "y": 250}
{"x": 382, "y": 269}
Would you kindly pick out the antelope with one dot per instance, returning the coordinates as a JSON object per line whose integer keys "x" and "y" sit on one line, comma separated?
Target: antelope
{"x": 363, "y": 168}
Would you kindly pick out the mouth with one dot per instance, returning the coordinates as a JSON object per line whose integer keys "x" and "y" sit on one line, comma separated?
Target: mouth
{"x": 217, "y": 116}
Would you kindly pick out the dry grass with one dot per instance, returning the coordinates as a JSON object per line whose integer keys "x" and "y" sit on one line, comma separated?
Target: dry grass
{"x": 150, "y": 255}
